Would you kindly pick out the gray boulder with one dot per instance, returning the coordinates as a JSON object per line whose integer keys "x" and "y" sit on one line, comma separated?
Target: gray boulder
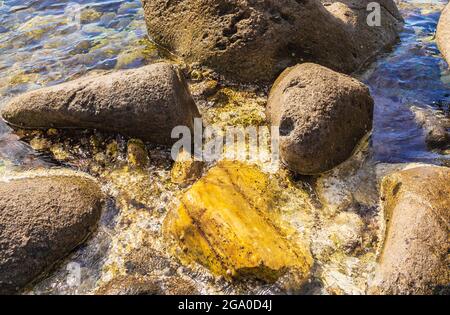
{"x": 145, "y": 103}
{"x": 42, "y": 219}
{"x": 322, "y": 116}
{"x": 251, "y": 41}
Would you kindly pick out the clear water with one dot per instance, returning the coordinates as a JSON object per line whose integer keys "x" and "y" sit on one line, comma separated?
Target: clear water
{"x": 47, "y": 42}
{"x": 413, "y": 74}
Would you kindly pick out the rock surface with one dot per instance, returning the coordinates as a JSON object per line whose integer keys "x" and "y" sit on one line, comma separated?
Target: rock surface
{"x": 256, "y": 40}
{"x": 435, "y": 127}
{"x": 322, "y": 115}
{"x": 141, "y": 285}
{"x": 414, "y": 259}
{"x": 226, "y": 222}
{"x": 145, "y": 103}
{"x": 443, "y": 33}
{"x": 42, "y": 219}
{"x": 186, "y": 169}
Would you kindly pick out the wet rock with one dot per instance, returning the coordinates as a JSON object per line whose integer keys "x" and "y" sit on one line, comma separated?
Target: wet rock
{"x": 145, "y": 103}
{"x": 89, "y": 15}
{"x": 414, "y": 258}
{"x": 343, "y": 233}
{"x": 142, "y": 285}
{"x": 186, "y": 170}
{"x": 322, "y": 115}
{"x": 255, "y": 40}
{"x": 42, "y": 220}
{"x": 435, "y": 127}
{"x": 443, "y": 33}
{"x": 137, "y": 154}
{"x": 228, "y": 222}
{"x": 206, "y": 88}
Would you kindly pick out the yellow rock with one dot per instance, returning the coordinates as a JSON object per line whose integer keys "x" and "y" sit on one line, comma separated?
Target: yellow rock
{"x": 227, "y": 222}
{"x": 40, "y": 144}
{"x": 186, "y": 170}
{"x": 137, "y": 153}
{"x": 89, "y": 15}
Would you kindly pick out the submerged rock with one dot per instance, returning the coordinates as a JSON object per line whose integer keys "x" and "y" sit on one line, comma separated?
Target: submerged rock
{"x": 322, "y": 115}
{"x": 143, "y": 285}
{"x": 42, "y": 220}
{"x": 186, "y": 169}
{"x": 414, "y": 259}
{"x": 443, "y": 33}
{"x": 228, "y": 223}
{"x": 255, "y": 40}
{"x": 435, "y": 127}
{"x": 137, "y": 156}
{"x": 145, "y": 103}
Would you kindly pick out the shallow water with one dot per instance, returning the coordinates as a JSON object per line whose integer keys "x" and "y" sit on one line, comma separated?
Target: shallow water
{"x": 413, "y": 74}
{"x": 47, "y": 42}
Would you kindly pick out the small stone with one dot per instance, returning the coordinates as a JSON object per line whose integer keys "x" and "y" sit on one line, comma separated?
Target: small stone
{"x": 40, "y": 144}
{"x": 186, "y": 170}
{"x": 137, "y": 154}
{"x": 89, "y": 15}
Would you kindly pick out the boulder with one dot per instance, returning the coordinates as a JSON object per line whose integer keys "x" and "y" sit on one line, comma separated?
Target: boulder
{"x": 42, "y": 219}
{"x": 443, "y": 33}
{"x": 322, "y": 115}
{"x": 255, "y": 40}
{"x": 227, "y": 223}
{"x": 145, "y": 103}
{"x": 414, "y": 258}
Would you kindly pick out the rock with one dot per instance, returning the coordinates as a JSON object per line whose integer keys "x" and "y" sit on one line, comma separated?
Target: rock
{"x": 89, "y": 15}
{"x": 145, "y": 103}
{"x": 227, "y": 222}
{"x": 322, "y": 115}
{"x": 414, "y": 259}
{"x": 142, "y": 285}
{"x": 42, "y": 220}
{"x": 255, "y": 40}
{"x": 186, "y": 170}
{"x": 443, "y": 33}
{"x": 434, "y": 126}
{"x": 137, "y": 156}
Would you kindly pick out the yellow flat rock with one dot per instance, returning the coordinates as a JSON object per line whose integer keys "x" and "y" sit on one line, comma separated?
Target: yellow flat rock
{"x": 227, "y": 222}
